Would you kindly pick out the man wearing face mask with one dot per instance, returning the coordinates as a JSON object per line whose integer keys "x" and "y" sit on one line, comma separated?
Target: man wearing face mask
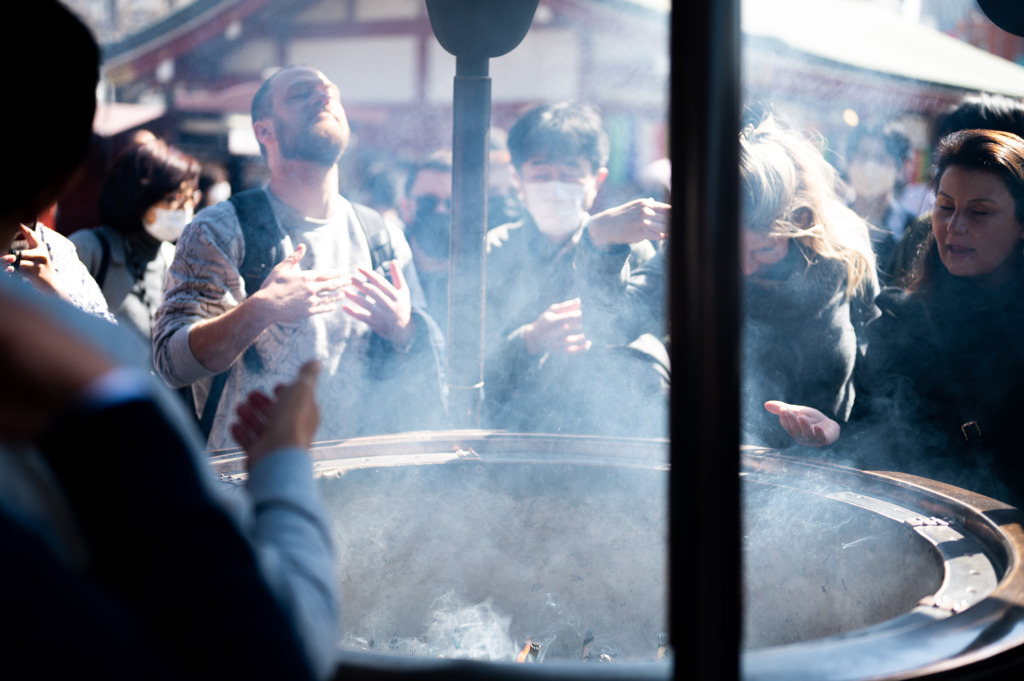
{"x": 427, "y": 213}
{"x": 541, "y": 365}
{"x": 147, "y": 199}
{"x": 874, "y": 166}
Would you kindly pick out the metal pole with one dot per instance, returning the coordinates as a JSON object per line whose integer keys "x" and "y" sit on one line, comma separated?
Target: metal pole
{"x": 467, "y": 265}
{"x": 705, "y": 557}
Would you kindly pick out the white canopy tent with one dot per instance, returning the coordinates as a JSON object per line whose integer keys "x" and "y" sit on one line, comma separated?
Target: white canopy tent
{"x": 869, "y": 36}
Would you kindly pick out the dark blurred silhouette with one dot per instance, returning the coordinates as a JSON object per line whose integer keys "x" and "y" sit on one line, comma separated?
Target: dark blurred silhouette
{"x": 115, "y": 542}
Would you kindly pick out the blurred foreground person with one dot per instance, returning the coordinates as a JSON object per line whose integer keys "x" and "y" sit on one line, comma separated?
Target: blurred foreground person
{"x": 543, "y": 371}
{"x": 809, "y": 281}
{"x": 938, "y": 392}
{"x": 116, "y": 543}
{"x": 294, "y": 271}
{"x": 147, "y": 199}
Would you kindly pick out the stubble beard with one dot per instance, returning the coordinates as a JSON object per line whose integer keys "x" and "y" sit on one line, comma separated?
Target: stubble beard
{"x": 316, "y": 144}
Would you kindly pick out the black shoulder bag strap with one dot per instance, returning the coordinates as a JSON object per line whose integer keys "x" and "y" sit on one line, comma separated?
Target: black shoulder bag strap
{"x": 261, "y": 237}
{"x": 377, "y": 236}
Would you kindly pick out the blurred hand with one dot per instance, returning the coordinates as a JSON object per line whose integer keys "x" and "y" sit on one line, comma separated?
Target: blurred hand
{"x": 558, "y": 331}
{"x": 806, "y": 425}
{"x": 385, "y": 307}
{"x": 34, "y": 263}
{"x": 290, "y": 294}
{"x": 289, "y": 419}
{"x": 631, "y": 222}
{"x": 44, "y": 368}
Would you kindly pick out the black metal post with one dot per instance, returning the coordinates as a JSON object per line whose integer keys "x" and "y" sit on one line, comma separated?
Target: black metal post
{"x": 466, "y": 264}
{"x": 705, "y": 557}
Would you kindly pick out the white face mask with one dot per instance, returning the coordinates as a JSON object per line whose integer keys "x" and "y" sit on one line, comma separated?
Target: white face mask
{"x": 556, "y": 207}
{"x": 168, "y": 224}
{"x": 872, "y": 180}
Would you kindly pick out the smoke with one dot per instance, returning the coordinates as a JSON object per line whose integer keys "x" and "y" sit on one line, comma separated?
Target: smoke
{"x": 474, "y": 560}
{"x": 817, "y": 567}
{"x": 453, "y": 630}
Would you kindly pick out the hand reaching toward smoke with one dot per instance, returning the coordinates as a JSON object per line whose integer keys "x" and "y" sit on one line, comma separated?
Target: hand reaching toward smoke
{"x": 806, "y": 425}
{"x": 558, "y": 331}
{"x": 631, "y": 222}
{"x": 265, "y": 424}
{"x": 290, "y": 294}
{"x": 385, "y": 306}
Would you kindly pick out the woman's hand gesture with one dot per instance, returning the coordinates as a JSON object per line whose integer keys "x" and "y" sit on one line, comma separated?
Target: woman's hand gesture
{"x": 806, "y": 425}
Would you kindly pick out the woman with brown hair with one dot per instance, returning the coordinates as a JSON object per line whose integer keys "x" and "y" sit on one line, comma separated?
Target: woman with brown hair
{"x": 147, "y": 199}
{"x": 943, "y": 374}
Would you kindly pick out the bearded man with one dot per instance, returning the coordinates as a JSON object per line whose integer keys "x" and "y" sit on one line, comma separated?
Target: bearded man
{"x": 293, "y": 272}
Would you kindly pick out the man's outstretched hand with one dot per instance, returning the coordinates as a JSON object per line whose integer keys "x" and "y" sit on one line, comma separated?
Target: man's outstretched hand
{"x": 385, "y": 306}
{"x": 289, "y": 419}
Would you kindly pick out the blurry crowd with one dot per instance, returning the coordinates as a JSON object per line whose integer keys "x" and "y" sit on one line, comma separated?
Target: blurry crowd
{"x": 289, "y": 313}
{"x": 196, "y": 316}
{"x": 576, "y": 336}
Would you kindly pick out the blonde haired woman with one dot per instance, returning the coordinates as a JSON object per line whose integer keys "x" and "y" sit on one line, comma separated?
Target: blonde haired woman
{"x": 809, "y": 282}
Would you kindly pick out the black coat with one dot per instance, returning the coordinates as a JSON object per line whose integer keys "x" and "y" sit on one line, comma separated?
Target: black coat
{"x": 800, "y": 342}
{"x": 940, "y": 391}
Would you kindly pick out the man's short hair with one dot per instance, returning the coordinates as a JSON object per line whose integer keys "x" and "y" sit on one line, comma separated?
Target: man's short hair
{"x": 47, "y": 137}
{"x": 559, "y": 133}
{"x": 440, "y": 160}
{"x": 262, "y": 107}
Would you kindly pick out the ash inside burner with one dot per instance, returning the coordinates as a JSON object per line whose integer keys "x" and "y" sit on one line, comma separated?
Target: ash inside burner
{"x": 472, "y": 560}
{"x": 817, "y": 567}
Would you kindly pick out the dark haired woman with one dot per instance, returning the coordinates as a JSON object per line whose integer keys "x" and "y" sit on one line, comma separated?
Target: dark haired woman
{"x": 939, "y": 392}
{"x": 146, "y": 201}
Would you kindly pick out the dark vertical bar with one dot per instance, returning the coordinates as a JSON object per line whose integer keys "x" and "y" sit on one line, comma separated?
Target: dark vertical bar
{"x": 705, "y": 549}
{"x": 466, "y": 265}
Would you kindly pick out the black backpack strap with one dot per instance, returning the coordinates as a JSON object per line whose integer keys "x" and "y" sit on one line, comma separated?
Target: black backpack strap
{"x": 262, "y": 236}
{"x": 377, "y": 236}
{"x": 262, "y": 239}
{"x": 101, "y": 273}
{"x": 212, "y": 400}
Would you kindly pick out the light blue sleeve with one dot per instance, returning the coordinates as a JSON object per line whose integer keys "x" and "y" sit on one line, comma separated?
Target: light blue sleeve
{"x": 290, "y": 532}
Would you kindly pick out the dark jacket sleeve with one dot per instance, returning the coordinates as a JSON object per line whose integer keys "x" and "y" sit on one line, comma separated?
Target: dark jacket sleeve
{"x": 621, "y": 301}
{"x": 164, "y": 548}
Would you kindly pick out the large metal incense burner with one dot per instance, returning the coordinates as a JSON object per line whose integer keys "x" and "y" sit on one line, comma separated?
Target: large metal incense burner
{"x": 865, "y": 575}
{"x": 470, "y": 544}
